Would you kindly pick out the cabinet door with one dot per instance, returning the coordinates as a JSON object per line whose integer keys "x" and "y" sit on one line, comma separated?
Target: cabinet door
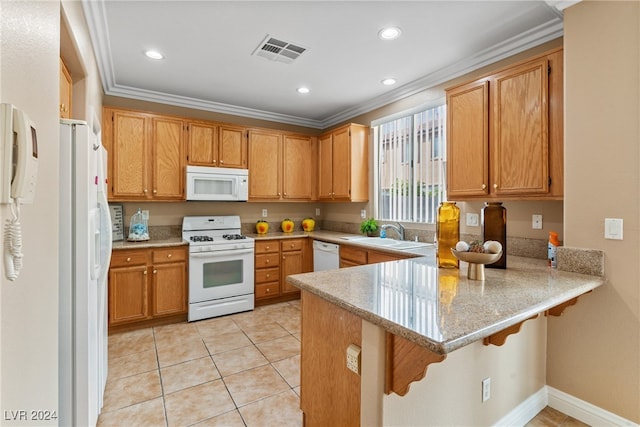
{"x": 169, "y": 289}
{"x": 65, "y": 91}
{"x": 168, "y": 166}
{"x": 232, "y": 148}
{"x": 297, "y": 167}
{"x": 341, "y": 159}
{"x": 292, "y": 263}
{"x": 325, "y": 167}
{"x": 520, "y": 130}
{"x": 264, "y": 164}
{"x": 128, "y": 294}
{"x": 468, "y": 140}
{"x": 203, "y": 144}
{"x": 129, "y": 156}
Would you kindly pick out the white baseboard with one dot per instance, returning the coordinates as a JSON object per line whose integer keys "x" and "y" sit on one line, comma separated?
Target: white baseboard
{"x": 584, "y": 411}
{"x": 525, "y": 411}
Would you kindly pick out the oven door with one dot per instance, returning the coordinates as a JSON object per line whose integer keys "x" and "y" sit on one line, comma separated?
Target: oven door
{"x": 220, "y": 274}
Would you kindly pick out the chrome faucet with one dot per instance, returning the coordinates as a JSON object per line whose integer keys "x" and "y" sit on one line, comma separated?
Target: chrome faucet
{"x": 399, "y": 229}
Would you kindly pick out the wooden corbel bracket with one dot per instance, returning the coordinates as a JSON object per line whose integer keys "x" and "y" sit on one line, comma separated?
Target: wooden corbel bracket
{"x": 500, "y": 338}
{"x": 406, "y": 362}
{"x": 559, "y": 309}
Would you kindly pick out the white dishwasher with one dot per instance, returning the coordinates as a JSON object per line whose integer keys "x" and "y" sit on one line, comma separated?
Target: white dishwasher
{"x": 326, "y": 256}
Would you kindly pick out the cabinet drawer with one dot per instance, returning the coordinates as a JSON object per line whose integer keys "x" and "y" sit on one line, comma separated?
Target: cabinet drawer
{"x": 267, "y": 290}
{"x": 267, "y": 260}
{"x": 267, "y": 246}
{"x": 169, "y": 255}
{"x": 127, "y": 258}
{"x": 291, "y": 244}
{"x": 264, "y": 275}
{"x": 353, "y": 254}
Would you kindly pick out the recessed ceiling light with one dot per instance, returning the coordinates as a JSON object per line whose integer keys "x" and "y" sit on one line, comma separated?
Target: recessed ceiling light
{"x": 303, "y": 90}
{"x": 154, "y": 54}
{"x": 388, "y": 81}
{"x": 389, "y": 33}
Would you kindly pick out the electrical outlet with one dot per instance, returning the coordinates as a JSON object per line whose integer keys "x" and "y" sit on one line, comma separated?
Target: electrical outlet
{"x": 353, "y": 358}
{"x": 363, "y": 213}
{"x": 486, "y": 389}
{"x": 264, "y": 213}
{"x": 145, "y": 215}
{"x": 472, "y": 219}
{"x": 317, "y": 211}
{"x": 536, "y": 222}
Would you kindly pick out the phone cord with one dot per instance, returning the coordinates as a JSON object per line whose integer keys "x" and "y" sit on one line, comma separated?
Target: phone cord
{"x": 13, "y": 243}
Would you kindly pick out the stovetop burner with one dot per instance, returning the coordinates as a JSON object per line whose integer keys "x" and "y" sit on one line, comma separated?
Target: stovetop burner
{"x": 233, "y": 236}
{"x": 201, "y": 238}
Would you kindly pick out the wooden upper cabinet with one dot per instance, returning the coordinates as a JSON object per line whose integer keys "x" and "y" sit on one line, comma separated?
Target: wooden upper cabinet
{"x": 505, "y": 133}
{"x": 468, "y": 139}
{"x": 202, "y": 144}
{"x": 146, "y": 155}
{"x": 65, "y": 91}
{"x": 211, "y": 144}
{"x": 265, "y": 154}
{"x": 167, "y": 158}
{"x": 343, "y": 159}
{"x": 232, "y": 149}
{"x": 325, "y": 167}
{"x": 128, "y": 154}
{"x": 520, "y": 130}
{"x": 297, "y": 167}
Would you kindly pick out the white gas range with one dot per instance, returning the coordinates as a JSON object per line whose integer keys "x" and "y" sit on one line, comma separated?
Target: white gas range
{"x": 221, "y": 262}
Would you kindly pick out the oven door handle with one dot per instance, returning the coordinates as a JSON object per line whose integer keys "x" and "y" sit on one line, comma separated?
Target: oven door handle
{"x": 225, "y": 252}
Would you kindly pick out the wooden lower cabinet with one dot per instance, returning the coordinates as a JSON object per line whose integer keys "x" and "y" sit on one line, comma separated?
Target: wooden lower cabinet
{"x": 147, "y": 286}
{"x": 351, "y": 256}
{"x": 274, "y": 261}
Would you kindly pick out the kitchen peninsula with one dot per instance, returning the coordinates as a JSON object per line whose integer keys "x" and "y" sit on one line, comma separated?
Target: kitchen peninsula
{"x": 405, "y": 315}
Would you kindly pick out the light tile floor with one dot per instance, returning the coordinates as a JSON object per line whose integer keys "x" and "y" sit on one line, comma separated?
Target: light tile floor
{"x": 237, "y": 370}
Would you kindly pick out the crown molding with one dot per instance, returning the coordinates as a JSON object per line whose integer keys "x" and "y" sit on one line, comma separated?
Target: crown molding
{"x": 97, "y": 23}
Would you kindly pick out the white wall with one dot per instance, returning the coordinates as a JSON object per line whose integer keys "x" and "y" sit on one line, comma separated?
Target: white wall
{"x": 29, "y": 79}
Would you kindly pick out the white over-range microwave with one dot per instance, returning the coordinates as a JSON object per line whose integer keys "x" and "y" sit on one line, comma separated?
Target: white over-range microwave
{"x": 217, "y": 184}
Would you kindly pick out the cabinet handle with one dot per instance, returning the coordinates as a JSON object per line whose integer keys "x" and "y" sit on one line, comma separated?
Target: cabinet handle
{"x": 484, "y": 186}
{"x": 144, "y": 191}
{"x": 268, "y": 290}
{"x": 268, "y": 275}
{"x": 155, "y": 191}
{"x": 292, "y": 245}
{"x": 221, "y": 162}
{"x": 268, "y": 247}
{"x": 267, "y": 261}
{"x": 169, "y": 255}
{"x": 283, "y": 257}
{"x": 128, "y": 259}
{"x": 285, "y": 194}
{"x": 155, "y": 271}
{"x": 214, "y": 162}
{"x": 145, "y": 272}
{"x": 495, "y": 186}
{"x": 278, "y": 194}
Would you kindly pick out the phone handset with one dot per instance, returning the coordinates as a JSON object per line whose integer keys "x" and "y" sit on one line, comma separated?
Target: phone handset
{"x": 19, "y": 148}
{"x": 13, "y": 243}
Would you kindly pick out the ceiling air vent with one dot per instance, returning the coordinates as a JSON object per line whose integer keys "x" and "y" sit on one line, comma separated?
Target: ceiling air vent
{"x": 278, "y": 50}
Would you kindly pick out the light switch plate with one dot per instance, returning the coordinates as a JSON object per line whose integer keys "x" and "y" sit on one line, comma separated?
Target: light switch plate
{"x": 363, "y": 213}
{"x": 317, "y": 211}
{"x": 145, "y": 215}
{"x": 264, "y": 213}
{"x": 613, "y": 228}
{"x": 472, "y": 219}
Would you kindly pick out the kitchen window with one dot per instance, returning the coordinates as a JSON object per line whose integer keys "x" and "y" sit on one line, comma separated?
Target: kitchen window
{"x": 411, "y": 165}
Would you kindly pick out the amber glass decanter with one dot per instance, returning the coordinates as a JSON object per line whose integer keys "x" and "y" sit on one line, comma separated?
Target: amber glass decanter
{"x": 447, "y": 234}
{"x": 494, "y": 227}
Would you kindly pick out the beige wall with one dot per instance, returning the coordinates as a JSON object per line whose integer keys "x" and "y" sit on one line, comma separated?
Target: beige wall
{"x": 33, "y": 38}
{"x": 594, "y": 348}
{"x": 29, "y": 306}
{"x": 450, "y": 394}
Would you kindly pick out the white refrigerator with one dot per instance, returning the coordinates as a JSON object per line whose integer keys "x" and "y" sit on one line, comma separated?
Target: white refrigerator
{"x": 84, "y": 254}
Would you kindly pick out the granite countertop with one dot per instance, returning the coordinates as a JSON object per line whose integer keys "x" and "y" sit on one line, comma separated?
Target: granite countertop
{"x": 441, "y": 309}
{"x": 152, "y": 243}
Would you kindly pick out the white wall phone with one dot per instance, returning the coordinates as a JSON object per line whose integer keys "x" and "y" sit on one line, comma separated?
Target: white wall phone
{"x": 18, "y": 175}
